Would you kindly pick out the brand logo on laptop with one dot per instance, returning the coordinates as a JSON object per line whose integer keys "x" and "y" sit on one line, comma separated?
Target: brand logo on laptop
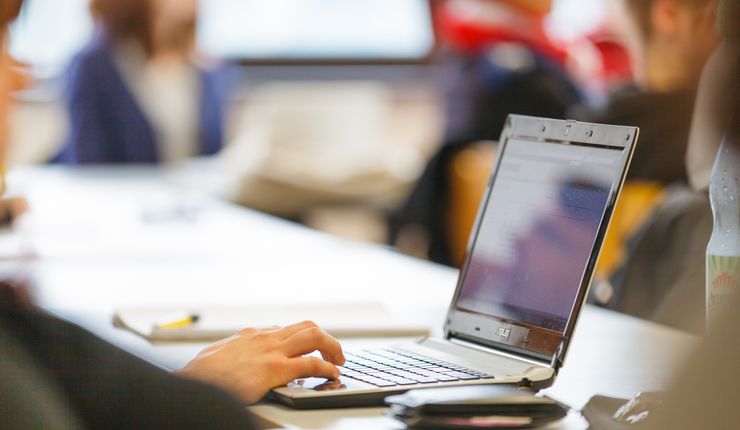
{"x": 503, "y": 332}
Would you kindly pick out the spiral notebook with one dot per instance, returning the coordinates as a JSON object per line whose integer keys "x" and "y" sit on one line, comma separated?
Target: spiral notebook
{"x": 340, "y": 320}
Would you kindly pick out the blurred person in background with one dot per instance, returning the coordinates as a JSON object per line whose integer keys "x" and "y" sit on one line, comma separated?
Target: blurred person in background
{"x": 672, "y": 40}
{"x": 675, "y": 39}
{"x": 54, "y": 375}
{"x": 703, "y": 393}
{"x": 662, "y": 277}
{"x": 497, "y": 60}
{"x": 10, "y": 80}
{"x": 135, "y": 94}
{"x": 700, "y": 396}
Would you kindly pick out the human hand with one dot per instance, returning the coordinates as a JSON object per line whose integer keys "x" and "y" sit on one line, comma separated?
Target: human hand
{"x": 11, "y": 209}
{"x": 252, "y": 362}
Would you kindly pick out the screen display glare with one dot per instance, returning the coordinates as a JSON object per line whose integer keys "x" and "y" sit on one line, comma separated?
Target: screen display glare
{"x": 540, "y": 226}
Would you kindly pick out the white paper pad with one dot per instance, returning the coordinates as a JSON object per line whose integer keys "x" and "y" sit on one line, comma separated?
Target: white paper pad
{"x": 340, "y": 320}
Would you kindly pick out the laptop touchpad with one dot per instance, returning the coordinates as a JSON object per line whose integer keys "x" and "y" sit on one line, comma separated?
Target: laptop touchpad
{"x": 321, "y": 384}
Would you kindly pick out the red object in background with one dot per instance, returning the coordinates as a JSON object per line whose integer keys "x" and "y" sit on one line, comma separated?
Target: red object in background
{"x": 474, "y": 35}
{"x": 472, "y": 31}
{"x": 617, "y": 65}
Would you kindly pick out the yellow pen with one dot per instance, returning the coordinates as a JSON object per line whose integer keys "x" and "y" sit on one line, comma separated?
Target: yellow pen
{"x": 177, "y": 321}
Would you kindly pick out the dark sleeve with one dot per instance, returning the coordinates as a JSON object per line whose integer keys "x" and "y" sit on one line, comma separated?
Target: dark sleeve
{"x": 216, "y": 86}
{"x": 663, "y": 278}
{"x": 664, "y": 120}
{"x": 89, "y": 129}
{"x": 109, "y": 388}
{"x": 426, "y": 206}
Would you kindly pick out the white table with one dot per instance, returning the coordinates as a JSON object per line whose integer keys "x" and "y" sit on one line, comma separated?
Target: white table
{"x": 111, "y": 238}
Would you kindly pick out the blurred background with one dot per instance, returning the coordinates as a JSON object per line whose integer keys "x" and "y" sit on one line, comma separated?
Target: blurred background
{"x": 374, "y": 121}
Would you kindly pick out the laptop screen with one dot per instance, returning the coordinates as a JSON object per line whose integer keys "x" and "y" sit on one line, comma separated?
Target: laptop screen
{"x": 536, "y": 237}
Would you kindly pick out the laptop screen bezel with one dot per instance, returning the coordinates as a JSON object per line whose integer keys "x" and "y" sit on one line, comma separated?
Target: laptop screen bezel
{"x": 542, "y": 130}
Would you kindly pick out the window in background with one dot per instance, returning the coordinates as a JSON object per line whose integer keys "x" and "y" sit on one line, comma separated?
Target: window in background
{"x": 49, "y": 32}
{"x": 571, "y": 19}
{"x": 316, "y": 29}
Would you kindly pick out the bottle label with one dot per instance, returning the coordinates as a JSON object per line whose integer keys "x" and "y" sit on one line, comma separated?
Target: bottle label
{"x": 723, "y": 282}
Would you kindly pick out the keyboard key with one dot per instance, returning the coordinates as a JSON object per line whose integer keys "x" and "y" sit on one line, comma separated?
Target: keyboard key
{"x": 424, "y": 372}
{"x": 408, "y": 375}
{"x": 424, "y": 379}
{"x": 364, "y": 378}
{"x": 446, "y": 378}
{"x": 403, "y": 381}
{"x": 381, "y": 382}
{"x": 461, "y": 375}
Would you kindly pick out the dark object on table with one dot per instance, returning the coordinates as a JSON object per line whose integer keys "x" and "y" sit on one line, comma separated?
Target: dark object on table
{"x": 484, "y": 406}
{"x": 609, "y": 413}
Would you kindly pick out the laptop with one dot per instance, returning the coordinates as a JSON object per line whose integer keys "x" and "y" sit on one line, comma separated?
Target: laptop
{"x": 528, "y": 267}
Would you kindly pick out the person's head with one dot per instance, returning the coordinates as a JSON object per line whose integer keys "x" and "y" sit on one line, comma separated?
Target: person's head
{"x": 677, "y": 37}
{"x": 9, "y": 9}
{"x": 729, "y": 17}
{"x": 729, "y": 14}
{"x": 717, "y": 111}
{"x": 125, "y": 20}
{"x": 174, "y": 24}
{"x": 156, "y": 25}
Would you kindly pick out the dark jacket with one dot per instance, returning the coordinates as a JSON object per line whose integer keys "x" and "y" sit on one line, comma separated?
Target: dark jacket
{"x": 663, "y": 277}
{"x": 56, "y": 375}
{"x": 664, "y": 120}
{"x": 107, "y": 125}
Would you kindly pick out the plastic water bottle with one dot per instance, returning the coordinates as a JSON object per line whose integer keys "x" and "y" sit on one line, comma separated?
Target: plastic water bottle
{"x": 723, "y": 251}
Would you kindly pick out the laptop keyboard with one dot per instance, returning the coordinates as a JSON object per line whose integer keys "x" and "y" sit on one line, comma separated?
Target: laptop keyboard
{"x": 391, "y": 367}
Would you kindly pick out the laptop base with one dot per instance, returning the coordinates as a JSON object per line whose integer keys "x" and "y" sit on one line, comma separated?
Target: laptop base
{"x": 490, "y": 368}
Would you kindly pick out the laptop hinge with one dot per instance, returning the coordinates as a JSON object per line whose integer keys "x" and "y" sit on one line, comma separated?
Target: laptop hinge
{"x": 556, "y": 362}
{"x": 497, "y": 351}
